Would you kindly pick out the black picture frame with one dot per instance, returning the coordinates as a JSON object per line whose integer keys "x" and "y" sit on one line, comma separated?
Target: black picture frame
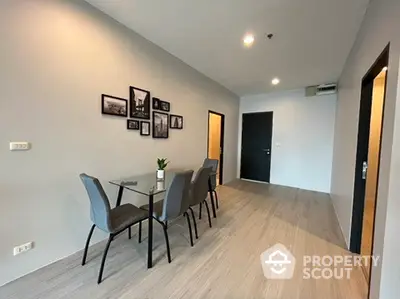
{"x": 156, "y": 104}
{"x": 176, "y": 121}
{"x": 160, "y": 125}
{"x": 139, "y": 100}
{"x": 143, "y": 126}
{"x": 165, "y": 106}
{"x": 132, "y": 124}
{"x": 115, "y": 106}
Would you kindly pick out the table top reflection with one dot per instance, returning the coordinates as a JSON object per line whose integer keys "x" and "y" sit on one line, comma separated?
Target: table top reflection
{"x": 149, "y": 184}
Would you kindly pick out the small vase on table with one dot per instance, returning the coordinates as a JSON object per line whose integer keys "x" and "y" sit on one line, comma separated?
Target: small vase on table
{"x": 162, "y": 164}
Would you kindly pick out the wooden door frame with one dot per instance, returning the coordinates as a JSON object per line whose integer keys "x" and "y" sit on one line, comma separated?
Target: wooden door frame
{"x": 221, "y": 160}
{"x": 359, "y": 193}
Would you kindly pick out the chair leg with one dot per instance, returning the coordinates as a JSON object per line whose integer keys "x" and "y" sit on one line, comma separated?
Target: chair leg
{"x": 87, "y": 244}
{"x": 167, "y": 241}
{"x": 130, "y": 232}
{"x": 194, "y": 223}
{"x": 200, "y": 208}
{"x": 208, "y": 213}
{"x": 140, "y": 232}
{"x": 190, "y": 228}
{"x": 216, "y": 198}
{"x": 104, "y": 258}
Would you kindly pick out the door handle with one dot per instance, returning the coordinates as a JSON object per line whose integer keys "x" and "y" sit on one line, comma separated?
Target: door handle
{"x": 267, "y": 151}
{"x": 364, "y": 170}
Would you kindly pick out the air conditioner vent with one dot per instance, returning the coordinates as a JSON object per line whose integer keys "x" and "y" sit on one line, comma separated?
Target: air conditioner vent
{"x": 321, "y": 90}
{"x": 326, "y": 89}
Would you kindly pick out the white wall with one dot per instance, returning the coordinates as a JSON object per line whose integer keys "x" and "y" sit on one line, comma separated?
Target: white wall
{"x": 56, "y": 58}
{"x": 380, "y": 26}
{"x": 304, "y": 128}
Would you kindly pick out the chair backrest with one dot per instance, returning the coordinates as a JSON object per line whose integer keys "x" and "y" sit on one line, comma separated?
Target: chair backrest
{"x": 177, "y": 199}
{"x": 213, "y": 163}
{"x": 99, "y": 204}
{"x": 200, "y": 186}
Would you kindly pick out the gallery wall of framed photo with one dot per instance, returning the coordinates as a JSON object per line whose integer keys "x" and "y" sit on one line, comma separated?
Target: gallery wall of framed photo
{"x": 138, "y": 107}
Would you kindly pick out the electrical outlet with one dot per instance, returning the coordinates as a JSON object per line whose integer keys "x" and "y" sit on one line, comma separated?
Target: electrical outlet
{"x": 23, "y": 248}
{"x": 20, "y": 146}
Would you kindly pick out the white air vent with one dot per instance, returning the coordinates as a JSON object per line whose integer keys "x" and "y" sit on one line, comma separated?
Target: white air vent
{"x": 326, "y": 89}
{"x": 320, "y": 90}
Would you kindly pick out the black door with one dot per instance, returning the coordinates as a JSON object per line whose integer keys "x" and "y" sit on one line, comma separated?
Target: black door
{"x": 363, "y": 150}
{"x": 361, "y": 167}
{"x": 256, "y": 146}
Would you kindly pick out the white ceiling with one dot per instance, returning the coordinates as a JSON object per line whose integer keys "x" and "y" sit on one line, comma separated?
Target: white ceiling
{"x": 312, "y": 37}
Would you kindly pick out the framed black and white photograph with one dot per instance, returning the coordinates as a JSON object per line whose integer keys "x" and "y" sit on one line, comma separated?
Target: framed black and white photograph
{"x": 164, "y": 106}
{"x": 156, "y": 104}
{"x": 160, "y": 125}
{"x": 139, "y": 103}
{"x": 145, "y": 128}
{"x": 132, "y": 124}
{"x": 111, "y": 105}
{"x": 176, "y": 122}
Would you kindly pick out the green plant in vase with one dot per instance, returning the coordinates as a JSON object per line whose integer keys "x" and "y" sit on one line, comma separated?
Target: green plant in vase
{"x": 162, "y": 164}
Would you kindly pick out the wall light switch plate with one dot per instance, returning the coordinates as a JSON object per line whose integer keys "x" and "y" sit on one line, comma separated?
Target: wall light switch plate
{"x": 23, "y": 248}
{"x": 20, "y": 146}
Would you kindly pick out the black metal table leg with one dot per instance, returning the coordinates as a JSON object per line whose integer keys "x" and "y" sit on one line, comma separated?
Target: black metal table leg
{"x": 210, "y": 190}
{"x": 119, "y": 198}
{"x": 150, "y": 234}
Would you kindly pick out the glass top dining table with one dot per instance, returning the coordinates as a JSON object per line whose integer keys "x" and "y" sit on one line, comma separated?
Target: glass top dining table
{"x": 149, "y": 185}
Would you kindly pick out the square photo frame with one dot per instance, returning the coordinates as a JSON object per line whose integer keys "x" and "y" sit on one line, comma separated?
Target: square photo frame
{"x": 132, "y": 124}
{"x": 176, "y": 121}
{"x": 165, "y": 106}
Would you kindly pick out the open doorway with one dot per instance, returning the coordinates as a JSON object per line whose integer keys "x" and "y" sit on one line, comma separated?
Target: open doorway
{"x": 215, "y": 148}
{"x": 368, "y": 157}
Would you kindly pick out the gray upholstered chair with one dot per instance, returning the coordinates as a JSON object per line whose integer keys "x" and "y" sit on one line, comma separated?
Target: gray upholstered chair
{"x": 175, "y": 204}
{"x": 198, "y": 193}
{"x": 112, "y": 221}
{"x": 213, "y": 163}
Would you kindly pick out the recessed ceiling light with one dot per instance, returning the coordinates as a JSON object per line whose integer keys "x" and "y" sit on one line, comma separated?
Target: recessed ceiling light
{"x": 276, "y": 81}
{"x": 385, "y": 69}
{"x": 248, "y": 40}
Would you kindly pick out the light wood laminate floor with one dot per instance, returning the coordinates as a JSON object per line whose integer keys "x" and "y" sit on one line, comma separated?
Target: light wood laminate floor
{"x": 225, "y": 261}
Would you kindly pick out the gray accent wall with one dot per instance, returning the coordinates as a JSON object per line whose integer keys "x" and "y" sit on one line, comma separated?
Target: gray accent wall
{"x": 56, "y": 59}
{"x": 380, "y": 26}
